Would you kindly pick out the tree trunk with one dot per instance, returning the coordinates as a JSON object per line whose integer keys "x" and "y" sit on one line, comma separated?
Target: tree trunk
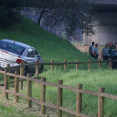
{"x": 41, "y": 14}
{"x": 44, "y": 10}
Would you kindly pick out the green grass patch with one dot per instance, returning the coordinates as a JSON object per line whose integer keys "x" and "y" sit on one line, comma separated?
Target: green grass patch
{"x": 91, "y": 80}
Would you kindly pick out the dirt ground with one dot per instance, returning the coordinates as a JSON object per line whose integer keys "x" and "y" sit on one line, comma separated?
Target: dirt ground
{"x": 21, "y": 107}
{"x": 82, "y": 48}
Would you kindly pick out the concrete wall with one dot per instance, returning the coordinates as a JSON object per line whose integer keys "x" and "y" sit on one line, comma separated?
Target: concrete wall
{"x": 101, "y": 1}
{"x": 105, "y": 29}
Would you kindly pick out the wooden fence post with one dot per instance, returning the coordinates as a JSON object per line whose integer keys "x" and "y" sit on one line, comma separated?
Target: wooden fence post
{"x": 65, "y": 64}
{"x": 6, "y": 87}
{"x": 16, "y": 87}
{"x": 77, "y": 64}
{"x": 52, "y": 66}
{"x": 8, "y": 67}
{"x": 6, "y": 80}
{"x": 59, "y": 98}
{"x": 99, "y": 64}
{"x": 110, "y": 64}
{"x": 37, "y": 69}
{"x": 43, "y": 95}
{"x": 79, "y": 100}
{"x": 21, "y": 73}
{"x": 29, "y": 90}
{"x": 89, "y": 64}
{"x": 100, "y": 103}
{"x": 8, "y": 70}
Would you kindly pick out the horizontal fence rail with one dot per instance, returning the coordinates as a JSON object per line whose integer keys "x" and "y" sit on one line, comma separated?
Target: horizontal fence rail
{"x": 60, "y": 87}
{"x": 65, "y": 63}
{"x": 36, "y": 66}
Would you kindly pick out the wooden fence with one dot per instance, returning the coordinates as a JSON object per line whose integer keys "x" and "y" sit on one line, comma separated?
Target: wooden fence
{"x": 52, "y": 64}
{"x": 65, "y": 64}
{"x": 60, "y": 87}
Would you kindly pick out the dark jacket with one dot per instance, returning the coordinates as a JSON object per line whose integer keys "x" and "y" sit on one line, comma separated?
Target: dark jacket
{"x": 112, "y": 51}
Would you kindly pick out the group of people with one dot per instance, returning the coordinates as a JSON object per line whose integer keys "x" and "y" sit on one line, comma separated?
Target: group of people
{"x": 109, "y": 52}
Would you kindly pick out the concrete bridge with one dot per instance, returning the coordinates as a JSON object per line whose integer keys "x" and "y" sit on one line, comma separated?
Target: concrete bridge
{"x": 105, "y": 25}
{"x": 102, "y": 1}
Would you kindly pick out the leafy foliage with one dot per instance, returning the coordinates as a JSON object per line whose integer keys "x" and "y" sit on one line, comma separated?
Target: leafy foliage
{"x": 73, "y": 14}
{"x": 9, "y": 12}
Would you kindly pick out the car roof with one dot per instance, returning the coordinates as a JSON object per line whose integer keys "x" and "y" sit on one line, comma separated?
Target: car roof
{"x": 18, "y": 43}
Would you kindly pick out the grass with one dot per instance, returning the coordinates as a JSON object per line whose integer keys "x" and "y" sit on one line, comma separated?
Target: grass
{"x": 52, "y": 47}
{"x": 91, "y": 80}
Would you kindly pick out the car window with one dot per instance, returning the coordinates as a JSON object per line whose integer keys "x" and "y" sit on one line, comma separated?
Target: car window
{"x": 12, "y": 47}
{"x": 35, "y": 53}
{"x": 32, "y": 53}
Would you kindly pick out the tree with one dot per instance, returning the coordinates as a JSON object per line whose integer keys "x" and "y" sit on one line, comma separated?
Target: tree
{"x": 74, "y": 14}
{"x": 9, "y": 12}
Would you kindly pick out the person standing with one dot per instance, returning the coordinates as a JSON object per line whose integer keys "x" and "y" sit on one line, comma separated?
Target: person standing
{"x": 105, "y": 52}
{"x": 112, "y": 53}
{"x": 91, "y": 50}
{"x": 95, "y": 51}
{"x": 116, "y": 55}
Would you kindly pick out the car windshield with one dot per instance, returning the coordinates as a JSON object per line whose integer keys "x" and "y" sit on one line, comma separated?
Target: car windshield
{"x": 12, "y": 47}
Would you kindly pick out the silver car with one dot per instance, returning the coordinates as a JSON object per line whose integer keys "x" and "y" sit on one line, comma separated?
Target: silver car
{"x": 14, "y": 52}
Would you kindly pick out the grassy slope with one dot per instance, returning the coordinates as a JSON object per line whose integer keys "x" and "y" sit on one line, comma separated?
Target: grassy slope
{"x": 48, "y": 45}
{"x": 52, "y": 47}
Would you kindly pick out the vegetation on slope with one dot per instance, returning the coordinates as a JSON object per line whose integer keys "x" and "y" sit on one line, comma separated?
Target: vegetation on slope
{"x": 52, "y": 47}
{"x": 47, "y": 44}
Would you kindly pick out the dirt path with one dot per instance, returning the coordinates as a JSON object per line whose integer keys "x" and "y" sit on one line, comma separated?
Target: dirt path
{"x": 21, "y": 107}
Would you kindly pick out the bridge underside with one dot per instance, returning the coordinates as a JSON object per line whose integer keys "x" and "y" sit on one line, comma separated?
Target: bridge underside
{"x": 105, "y": 26}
